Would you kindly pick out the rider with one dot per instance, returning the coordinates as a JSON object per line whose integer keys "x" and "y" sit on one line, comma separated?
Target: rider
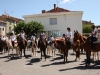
{"x": 23, "y": 35}
{"x": 94, "y": 36}
{"x": 3, "y": 38}
{"x": 12, "y": 38}
{"x": 69, "y": 36}
{"x": 43, "y": 37}
{"x": 51, "y": 39}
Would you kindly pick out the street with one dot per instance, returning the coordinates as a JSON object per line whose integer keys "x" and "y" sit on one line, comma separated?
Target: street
{"x": 53, "y": 65}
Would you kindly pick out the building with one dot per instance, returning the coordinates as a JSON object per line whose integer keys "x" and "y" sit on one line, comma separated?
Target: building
{"x": 87, "y": 23}
{"x": 2, "y": 27}
{"x": 57, "y": 20}
{"x": 10, "y": 22}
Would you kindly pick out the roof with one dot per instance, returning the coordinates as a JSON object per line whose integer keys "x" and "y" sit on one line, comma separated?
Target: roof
{"x": 3, "y": 18}
{"x": 58, "y": 9}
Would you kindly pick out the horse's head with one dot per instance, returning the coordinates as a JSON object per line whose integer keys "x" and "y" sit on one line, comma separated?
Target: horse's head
{"x": 18, "y": 37}
{"x": 78, "y": 36}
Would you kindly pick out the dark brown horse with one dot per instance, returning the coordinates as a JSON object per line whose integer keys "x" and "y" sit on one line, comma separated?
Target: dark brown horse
{"x": 42, "y": 46}
{"x": 89, "y": 48}
{"x": 21, "y": 44}
{"x": 3, "y": 44}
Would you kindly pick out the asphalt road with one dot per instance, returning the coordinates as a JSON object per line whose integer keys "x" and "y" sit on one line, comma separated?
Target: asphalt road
{"x": 53, "y": 65}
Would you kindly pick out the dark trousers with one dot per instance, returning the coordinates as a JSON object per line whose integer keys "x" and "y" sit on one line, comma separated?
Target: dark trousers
{"x": 12, "y": 43}
{"x": 93, "y": 39}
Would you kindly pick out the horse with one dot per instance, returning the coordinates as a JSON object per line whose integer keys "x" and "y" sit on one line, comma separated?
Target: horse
{"x": 22, "y": 43}
{"x": 34, "y": 46}
{"x": 3, "y": 45}
{"x": 78, "y": 40}
{"x": 89, "y": 48}
{"x": 51, "y": 46}
{"x": 42, "y": 45}
{"x": 62, "y": 44}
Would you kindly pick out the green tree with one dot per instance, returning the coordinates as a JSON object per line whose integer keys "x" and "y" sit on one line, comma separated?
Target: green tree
{"x": 87, "y": 29}
{"x": 29, "y": 28}
{"x": 20, "y": 26}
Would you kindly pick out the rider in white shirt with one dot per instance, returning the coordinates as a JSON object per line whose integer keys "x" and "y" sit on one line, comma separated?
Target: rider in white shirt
{"x": 33, "y": 37}
{"x": 12, "y": 38}
{"x": 3, "y": 38}
{"x": 23, "y": 35}
{"x": 69, "y": 36}
{"x": 51, "y": 38}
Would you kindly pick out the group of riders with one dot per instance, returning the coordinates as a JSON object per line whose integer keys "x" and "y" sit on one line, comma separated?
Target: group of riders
{"x": 43, "y": 37}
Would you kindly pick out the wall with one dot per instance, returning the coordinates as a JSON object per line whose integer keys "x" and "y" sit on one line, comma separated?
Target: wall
{"x": 2, "y": 28}
{"x": 73, "y": 21}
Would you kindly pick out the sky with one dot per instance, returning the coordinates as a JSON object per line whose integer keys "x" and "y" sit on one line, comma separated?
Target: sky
{"x": 18, "y": 8}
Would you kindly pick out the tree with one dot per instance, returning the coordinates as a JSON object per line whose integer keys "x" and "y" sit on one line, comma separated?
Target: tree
{"x": 20, "y": 26}
{"x": 29, "y": 28}
{"x": 87, "y": 29}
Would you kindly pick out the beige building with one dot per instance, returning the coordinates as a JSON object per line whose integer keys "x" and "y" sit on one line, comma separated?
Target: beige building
{"x": 2, "y": 27}
{"x": 10, "y": 22}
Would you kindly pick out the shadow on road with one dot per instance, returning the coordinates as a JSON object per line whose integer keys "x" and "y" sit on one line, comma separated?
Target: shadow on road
{"x": 34, "y": 60}
{"x": 57, "y": 63}
{"x": 96, "y": 65}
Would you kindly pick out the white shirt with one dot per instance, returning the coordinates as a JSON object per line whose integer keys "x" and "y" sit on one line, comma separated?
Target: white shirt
{"x": 33, "y": 37}
{"x": 23, "y": 35}
{"x": 95, "y": 31}
{"x": 12, "y": 38}
{"x": 69, "y": 34}
{"x": 51, "y": 39}
{"x": 3, "y": 38}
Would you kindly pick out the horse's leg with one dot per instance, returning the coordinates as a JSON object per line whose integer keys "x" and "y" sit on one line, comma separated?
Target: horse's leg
{"x": 44, "y": 51}
{"x": 24, "y": 52}
{"x": 21, "y": 53}
{"x": 12, "y": 52}
{"x": 32, "y": 52}
{"x": 35, "y": 51}
{"x": 54, "y": 51}
{"x": 88, "y": 54}
{"x": 64, "y": 57}
{"x": 98, "y": 55}
{"x": 8, "y": 51}
{"x": 16, "y": 51}
{"x": 93, "y": 54}
{"x": 47, "y": 49}
{"x": 41, "y": 53}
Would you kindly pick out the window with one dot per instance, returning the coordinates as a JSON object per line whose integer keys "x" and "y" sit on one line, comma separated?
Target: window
{"x": 3, "y": 29}
{"x": 53, "y": 21}
{"x": 10, "y": 29}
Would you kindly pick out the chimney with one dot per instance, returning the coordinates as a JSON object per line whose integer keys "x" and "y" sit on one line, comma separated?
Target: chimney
{"x": 54, "y": 7}
{"x": 43, "y": 11}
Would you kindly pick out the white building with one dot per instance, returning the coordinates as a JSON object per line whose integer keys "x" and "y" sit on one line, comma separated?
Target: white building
{"x": 2, "y": 28}
{"x": 57, "y": 20}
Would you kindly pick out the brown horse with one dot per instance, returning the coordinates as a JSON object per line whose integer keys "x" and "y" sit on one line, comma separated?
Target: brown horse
{"x": 63, "y": 46}
{"x": 42, "y": 46}
{"x": 78, "y": 43}
{"x": 21, "y": 44}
